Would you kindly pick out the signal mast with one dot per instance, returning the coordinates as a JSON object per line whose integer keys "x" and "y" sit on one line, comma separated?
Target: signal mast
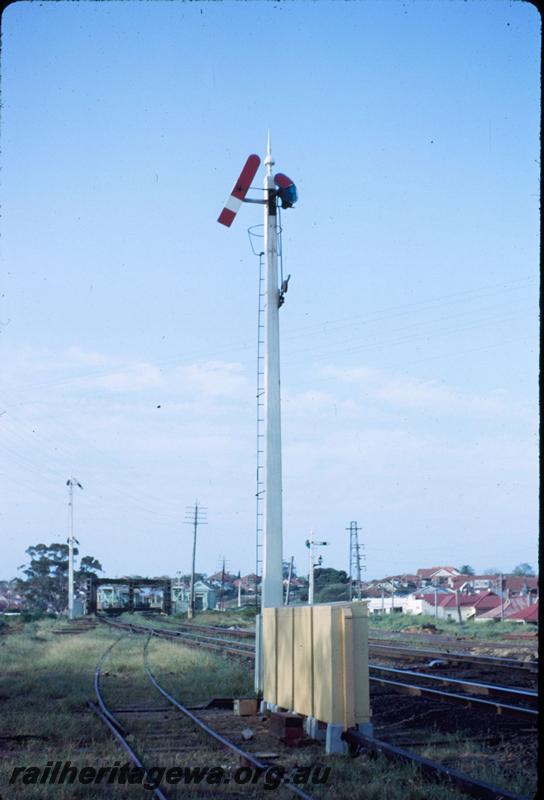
{"x": 277, "y": 188}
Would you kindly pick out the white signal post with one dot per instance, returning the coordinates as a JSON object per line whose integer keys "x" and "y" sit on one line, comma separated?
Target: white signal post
{"x": 312, "y": 545}
{"x": 272, "y": 580}
{"x": 275, "y": 186}
{"x": 71, "y": 482}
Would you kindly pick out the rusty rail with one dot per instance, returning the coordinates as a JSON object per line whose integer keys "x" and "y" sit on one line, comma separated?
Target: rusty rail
{"x": 430, "y": 769}
{"x": 226, "y": 743}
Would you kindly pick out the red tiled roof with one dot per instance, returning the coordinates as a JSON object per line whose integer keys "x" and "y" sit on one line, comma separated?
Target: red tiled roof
{"x": 217, "y": 577}
{"x": 517, "y": 582}
{"x": 510, "y": 607}
{"x": 428, "y": 572}
{"x": 483, "y": 600}
{"x": 528, "y": 614}
{"x": 375, "y": 593}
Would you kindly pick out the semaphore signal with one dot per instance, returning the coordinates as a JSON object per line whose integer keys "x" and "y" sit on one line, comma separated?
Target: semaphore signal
{"x": 278, "y": 189}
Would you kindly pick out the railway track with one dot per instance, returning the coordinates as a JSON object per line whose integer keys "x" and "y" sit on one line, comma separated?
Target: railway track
{"x": 493, "y": 662}
{"x": 161, "y": 728}
{"x": 508, "y": 640}
{"x": 505, "y": 700}
{"x": 393, "y": 650}
{"x": 357, "y": 742}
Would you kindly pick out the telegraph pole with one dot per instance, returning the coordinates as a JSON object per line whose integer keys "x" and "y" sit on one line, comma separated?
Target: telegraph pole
{"x": 222, "y": 592}
{"x": 272, "y": 583}
{"x": 289, "y": 576}
{"x": 70, "y": 483}
{"x": 194, "y": 516}
{"x": 354, "y": 558}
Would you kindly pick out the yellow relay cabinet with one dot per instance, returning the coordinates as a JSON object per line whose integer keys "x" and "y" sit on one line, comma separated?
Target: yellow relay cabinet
{"x": 315, "y": 661}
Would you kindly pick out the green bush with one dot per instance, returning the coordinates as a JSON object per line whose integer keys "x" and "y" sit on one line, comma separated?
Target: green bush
{"x": 331, "y": 593}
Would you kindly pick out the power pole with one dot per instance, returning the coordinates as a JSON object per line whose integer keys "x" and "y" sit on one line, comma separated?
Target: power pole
{"x": 222, "y": 591}
{"x": 70, "y": 483}
{"x": 290, "y": 575}
{"x": 501, "y": 596}
{"x": 457, "y": 604}
{"x": 355, "y": 557}
{"x": 195, "y": 516}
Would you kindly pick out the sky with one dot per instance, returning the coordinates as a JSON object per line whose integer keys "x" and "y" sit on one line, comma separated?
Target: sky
{"x": 409, "y": 335}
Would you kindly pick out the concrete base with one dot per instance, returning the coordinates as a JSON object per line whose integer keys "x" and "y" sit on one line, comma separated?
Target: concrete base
{"x": 315, "y": 729}
{"x": 334, "y": 744}
{"x": 367, "y": 729}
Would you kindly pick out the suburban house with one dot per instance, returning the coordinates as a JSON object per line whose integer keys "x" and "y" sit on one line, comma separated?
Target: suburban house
{"x": 511, "y": 606}
{"x": 393, "y": 583}
{"x": 249, "y": 582}
{"x": 526, "y": 615}
{"x": 205, "y": 597}
{"x": 473, "y": 583}
{"x": 436, "y": 576}
{"x": 221, "y": 577}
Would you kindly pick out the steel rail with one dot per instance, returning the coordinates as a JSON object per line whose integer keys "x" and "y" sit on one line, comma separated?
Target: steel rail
{"x": 115, "y": 726}
{"x": 430, "y": 769}
{"x": 126, "y": 747}
{"x": 471, "y": 686}
{"x": 394, "y": 649}
{"x": 239, "y": 632}
{"x": 226, "y": 743}
{"x": 460, "y": 699}
{"x": 469, "y": 658}
{"x": 375, "y": 644}
{"x": 235, "y": 648}
{"x": 435, "y": 638}
{"x": 402, "y": 687}
{"x": 199, "y": 637}
{"x": 103, "y": 707}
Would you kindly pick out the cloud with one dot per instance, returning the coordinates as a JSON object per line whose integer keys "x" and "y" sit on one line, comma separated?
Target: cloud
{"x": 90, "y": 358}
{"x": 408, "y": 392}
{"x": 348, "y": 374}
{"x": 215, "y": 379}
{"x": 135, "y": 377}
{"x": 348, "y": 451}
{"x": 317, "y": 403}
{"x": 430, "y": 396}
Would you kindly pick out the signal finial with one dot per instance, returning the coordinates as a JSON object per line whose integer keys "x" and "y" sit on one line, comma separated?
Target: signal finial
{"x": 269, "y": 161}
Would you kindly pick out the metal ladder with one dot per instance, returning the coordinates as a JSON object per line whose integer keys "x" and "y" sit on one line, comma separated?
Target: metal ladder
{"x": 260, "y": 486}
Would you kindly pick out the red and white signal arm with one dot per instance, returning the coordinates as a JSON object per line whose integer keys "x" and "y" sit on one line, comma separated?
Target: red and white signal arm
{"x": 236, "y": 197}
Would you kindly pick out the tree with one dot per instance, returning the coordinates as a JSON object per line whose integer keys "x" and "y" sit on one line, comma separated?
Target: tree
{"x": 326, "y": 576}
{"x": 199, "y": 576}
{"x": 332, "y": 592}
{"x": 466, "y": 570}
{"x": 524, "y": 569}
{"x": 46, "y": 584}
